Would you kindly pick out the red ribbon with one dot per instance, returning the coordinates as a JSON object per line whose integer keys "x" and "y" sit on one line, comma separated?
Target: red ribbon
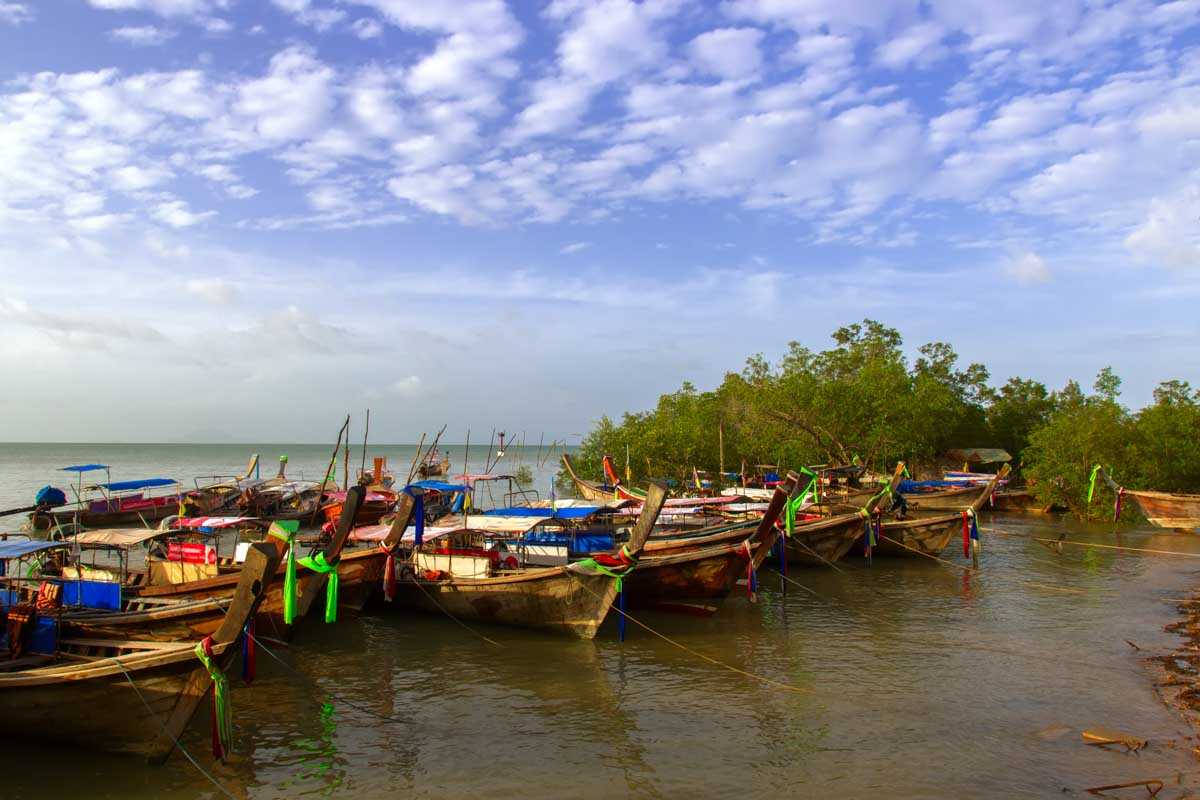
{"x": 966, "y": 536}
{"x": 389, "y": 577}
{"x": 1118, "y": 502}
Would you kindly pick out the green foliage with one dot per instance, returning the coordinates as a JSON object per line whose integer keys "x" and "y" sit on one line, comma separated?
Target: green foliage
{"x": 862, "y": 400}
{"x": 1083, "y": 431}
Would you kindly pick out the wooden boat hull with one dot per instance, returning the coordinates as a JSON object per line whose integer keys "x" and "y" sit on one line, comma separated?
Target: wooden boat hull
{"x": 1166, "y": 510}
{"x": 829, "y": 539}
{"x": 554, "y": 599}
{"x": 96, "y": 707}
{"x": 943, "y": 500}
{"x": 704, "y": 574}
{"x": 916, "y": 537}
{"x": 360, "y": 575}
{"x": 1019, "y": 501}
{"x": 44, "y": 520}
{"x": 368, "y": 514}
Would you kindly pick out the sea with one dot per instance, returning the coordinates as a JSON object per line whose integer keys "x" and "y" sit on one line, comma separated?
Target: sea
{"x": 903, "y": 678}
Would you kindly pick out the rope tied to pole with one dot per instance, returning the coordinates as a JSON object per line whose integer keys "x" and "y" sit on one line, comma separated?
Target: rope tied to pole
{"x": 286, "y": 532}
{"x": 222, "y": 711}
{"x": 318, "y": 564}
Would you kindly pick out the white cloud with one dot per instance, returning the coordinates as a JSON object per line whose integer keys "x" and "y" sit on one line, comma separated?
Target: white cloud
{"x": 14, "y": 13}
{"x": 728, "y": 52}
{"x": 177, "y": 214}
{"x": 320, "y": 19}
{"x": 1028, "y": 269}
{"x": 410, "y": 386}
{"x": 919, "y": 44}
{"x": 215, "y": 290}
{"x": 367, "y": 28}
{"x": 292, "y": 100}
{"x": 574, "y": 247}
{"x": 1170, "y": 234}
{"x": 143, "y": 35}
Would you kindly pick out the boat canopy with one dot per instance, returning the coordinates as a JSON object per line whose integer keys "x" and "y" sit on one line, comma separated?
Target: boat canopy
{"x": 980, "y": 455}
{"x": 85, "y": 468}
{"x": 438, "y": 486}
{"x": 377, "y": 533}
{"x": 213, "y": 523}
{"x": 144, "y": 483}
{"x": 572, "y": 512}
{"x": 24, "y": 547}
{"x": 122, "y": 538}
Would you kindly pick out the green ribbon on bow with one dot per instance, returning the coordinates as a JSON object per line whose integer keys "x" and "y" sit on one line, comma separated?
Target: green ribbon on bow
{"x": 593, "y": 564}
{"x": 794, "y": 504}
{"x": 222, "y": 710}
{"x": 286, "y": 533}
{"x": 318, "y": 564}
{"x": 1092, "y": 483}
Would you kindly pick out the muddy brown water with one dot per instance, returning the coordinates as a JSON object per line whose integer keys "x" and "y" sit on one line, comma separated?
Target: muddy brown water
{"x": 912, "y": 679}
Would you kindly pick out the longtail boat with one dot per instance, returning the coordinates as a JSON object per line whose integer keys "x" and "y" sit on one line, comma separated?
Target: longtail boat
{"x": 124, "y": 695}
{"x": 195, "y": 605}
{"x": 111, "y": 503}
{"x": 930, "y": 535}
{"x": 1172, "y": 510}
{"x": 219, "y": 493}
{"x": 376, "y": 503}
{"x": 827, "y": 539}
{"x": 572, "y": 599}
{"x": 591, "y": 490}
{"x": 694, "y": 568}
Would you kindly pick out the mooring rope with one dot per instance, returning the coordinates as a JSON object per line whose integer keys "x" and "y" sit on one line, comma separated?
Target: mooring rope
{"x": 451, "y": 616}
{"x": 332, "y": 694}
{"x": 939, "y": 559}
{"x": 162, "y": 729}
{"x": 1094, "y": 544}
{"x": 709, "y": 659}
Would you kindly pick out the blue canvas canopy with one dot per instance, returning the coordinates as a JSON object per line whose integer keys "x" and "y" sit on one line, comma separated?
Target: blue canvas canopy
{"x": 438, "y": 486}
{"x": 908, "y": 487}
{"x": 24, "y": 547}
{"x": 575, "y": 512}
{"x": 85, "y": 468}
{"x": 145, "y": 483}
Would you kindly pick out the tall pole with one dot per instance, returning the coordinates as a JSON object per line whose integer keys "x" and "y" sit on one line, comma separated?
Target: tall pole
{"x": 721, "y": 445}
{"x": 366, "y": 431}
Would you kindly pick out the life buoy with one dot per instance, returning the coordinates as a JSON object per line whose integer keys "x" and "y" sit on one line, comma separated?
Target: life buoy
{"x": 511, "y": 563}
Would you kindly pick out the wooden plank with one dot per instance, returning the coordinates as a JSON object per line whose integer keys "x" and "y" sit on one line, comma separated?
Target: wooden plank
{"x": 262, "y": 559}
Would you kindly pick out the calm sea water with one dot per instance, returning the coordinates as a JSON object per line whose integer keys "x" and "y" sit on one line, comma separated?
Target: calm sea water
{"x": 911, "y": 680}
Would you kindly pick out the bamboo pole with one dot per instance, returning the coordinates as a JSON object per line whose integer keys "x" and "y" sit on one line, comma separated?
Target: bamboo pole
{"x": 366, "y": 432}
{"x": 413, "y": 466}
{"x": 345, "y": 429}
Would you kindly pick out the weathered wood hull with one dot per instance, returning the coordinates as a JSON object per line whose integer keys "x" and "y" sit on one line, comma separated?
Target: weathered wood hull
{"x": 943, "y": 500}
{"x": 555, "y": 599}
{"x": 1165, "y": 510}
{"x": 703, "y": 574}
{"x": 829, "y": 539}
{"x": 1019, "y": 501}
{"x": 43, "y": 520}
{"x": 94, "y": 706}
{"x": 916, "y": 537}
{"x": 360, "y": 575}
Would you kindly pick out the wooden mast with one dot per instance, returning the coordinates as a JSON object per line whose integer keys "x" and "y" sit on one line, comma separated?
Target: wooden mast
{"x": 262, "y": 560}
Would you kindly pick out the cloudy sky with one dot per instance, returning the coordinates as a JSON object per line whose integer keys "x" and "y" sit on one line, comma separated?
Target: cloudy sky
{"x": 246, "y": 217}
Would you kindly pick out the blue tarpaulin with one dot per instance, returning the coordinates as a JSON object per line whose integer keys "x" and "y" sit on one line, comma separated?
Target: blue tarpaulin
{"x": 92, "y": 594}
{"x": 145, "y": 483}
{"x": 439, "y": 486}
{"x": 25, "y": 547}
{"x": 912, "y": 487}
{"x": 580, "y": 543}
{"x": 85, "y": 467}
{"x": 575, "y": 512}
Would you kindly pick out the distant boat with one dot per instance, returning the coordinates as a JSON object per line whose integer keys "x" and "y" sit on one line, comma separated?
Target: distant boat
{"x": 112, "y": 503}
{"x": 1172, "y": 510}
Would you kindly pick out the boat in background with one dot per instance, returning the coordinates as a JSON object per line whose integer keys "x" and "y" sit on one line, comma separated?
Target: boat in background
{"x": 1176, "y": 511}
{"x": 931, "y": 535}
{"x": 112, "y": 503}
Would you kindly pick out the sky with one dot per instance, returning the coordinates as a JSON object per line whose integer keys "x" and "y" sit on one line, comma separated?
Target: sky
{"x": 242, "y": 219}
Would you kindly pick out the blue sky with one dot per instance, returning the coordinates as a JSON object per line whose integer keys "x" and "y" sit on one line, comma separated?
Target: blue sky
{"x": 248, "y": 217}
